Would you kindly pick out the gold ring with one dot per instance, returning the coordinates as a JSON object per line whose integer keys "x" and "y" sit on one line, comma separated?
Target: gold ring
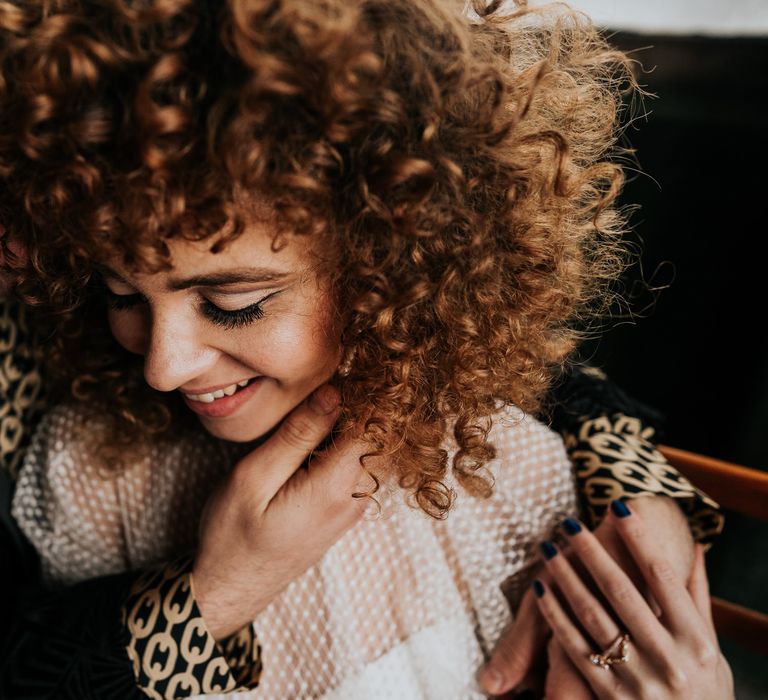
{"x": 605, "y": 660}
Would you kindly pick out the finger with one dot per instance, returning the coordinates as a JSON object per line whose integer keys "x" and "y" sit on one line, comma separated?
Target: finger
{"x": 564, "y": 682}
{"x": 644, "y": 627}
{"x": 517, "y": 650}
{"x": 679, "y": 612}
{"x": 572, "y": 641}
{"x": 698, "y": 587}
{"x": 299, "y": 433}
{"x": 586, "y": 608}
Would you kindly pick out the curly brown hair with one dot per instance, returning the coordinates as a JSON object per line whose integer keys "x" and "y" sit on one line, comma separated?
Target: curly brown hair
{"x": 461, "y": 167}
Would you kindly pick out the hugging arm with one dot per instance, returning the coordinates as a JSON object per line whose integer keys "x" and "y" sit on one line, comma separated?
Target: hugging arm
{"x": 610, "y": 438}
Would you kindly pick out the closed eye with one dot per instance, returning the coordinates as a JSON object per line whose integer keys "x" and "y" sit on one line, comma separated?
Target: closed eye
{"x": 228, "y": 318}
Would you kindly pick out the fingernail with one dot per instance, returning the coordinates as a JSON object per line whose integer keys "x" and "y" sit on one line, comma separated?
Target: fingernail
{"x": 571, "y": 526}
{"x": 548, "y": 549}
{"x": 324, "y": 400}
{"x": 538, "y": 588}
{"x": 491, "y": 680}
{"x": 620, "y": 508}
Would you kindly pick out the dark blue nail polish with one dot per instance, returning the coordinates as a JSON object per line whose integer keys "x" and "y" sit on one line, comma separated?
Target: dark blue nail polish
{"x": 571, "y": 526}
{"x": 548, "y": 549}
{"x": 620, "y": 509}
{"x": 538, "y": 588}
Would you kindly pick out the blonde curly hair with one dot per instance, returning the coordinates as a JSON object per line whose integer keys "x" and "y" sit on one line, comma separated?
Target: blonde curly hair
{"x": 460, "y": 165}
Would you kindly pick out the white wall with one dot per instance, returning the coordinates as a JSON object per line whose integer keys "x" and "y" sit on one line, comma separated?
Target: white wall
{"x": 713, "y": 17}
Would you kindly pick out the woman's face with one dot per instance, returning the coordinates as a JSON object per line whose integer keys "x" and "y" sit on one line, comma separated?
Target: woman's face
{"x": 215, "y": 322}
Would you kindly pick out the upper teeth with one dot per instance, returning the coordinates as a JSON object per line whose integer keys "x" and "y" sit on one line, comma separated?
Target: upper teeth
{"x": 218, "y": 394}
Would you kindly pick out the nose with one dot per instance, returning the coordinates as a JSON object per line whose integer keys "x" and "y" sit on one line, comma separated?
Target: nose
{"x": 176, "y": 353}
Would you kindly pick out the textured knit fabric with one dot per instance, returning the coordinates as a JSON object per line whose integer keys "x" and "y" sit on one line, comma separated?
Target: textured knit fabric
{"x": 401, "y": 606}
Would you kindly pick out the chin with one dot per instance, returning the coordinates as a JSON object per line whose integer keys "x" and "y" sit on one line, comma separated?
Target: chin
{"x": 237, "y": 431}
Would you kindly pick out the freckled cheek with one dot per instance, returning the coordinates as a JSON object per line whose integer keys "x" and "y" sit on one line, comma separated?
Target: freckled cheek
{"x": 129, "y": 329}
{"x": 302, "y": 347}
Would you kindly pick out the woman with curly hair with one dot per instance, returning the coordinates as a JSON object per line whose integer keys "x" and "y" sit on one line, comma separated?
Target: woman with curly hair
{"x": 233, "y": 213}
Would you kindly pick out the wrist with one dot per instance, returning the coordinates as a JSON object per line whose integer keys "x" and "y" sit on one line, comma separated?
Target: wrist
{"x": 228, "y": 603}
{"x": 223, "y": 609}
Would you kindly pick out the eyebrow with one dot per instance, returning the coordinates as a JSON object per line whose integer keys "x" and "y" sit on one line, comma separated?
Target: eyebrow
{"x": 221, "y": 279}
{"x": 213, "y": 279}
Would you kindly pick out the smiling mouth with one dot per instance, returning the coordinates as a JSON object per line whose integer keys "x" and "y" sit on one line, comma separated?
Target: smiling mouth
{"x": 220, "y": 393}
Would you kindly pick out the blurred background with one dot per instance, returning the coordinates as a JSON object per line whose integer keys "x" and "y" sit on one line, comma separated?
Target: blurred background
{"x": 697, "y": 348}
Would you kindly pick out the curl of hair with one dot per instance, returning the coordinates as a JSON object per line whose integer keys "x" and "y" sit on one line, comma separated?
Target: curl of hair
{"x": 461, "y": 167}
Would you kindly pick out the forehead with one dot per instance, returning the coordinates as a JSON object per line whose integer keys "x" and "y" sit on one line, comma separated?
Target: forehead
{"x": 254, "y": 247}
{"x": 252, "y": 255}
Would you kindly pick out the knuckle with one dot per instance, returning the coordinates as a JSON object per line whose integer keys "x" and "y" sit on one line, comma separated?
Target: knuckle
{"x": 619, "y": 592}
{"x": 634, "y": 530}
{"x": 706, "y": 655}
{"x": 587, "y": 615}
{"x": 662, "y": 571}
{"x": 654, "y": 692}
{"x": 617, "y": 690}
{"x": 298, "y": 431}
{"x": 676, "y": 679}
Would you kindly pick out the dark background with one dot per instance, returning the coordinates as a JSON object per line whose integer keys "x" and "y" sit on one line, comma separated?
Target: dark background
{"x": 697, "y": 351}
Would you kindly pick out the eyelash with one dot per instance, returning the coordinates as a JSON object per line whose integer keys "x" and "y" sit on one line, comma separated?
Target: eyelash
{"x": 228, "y": 319}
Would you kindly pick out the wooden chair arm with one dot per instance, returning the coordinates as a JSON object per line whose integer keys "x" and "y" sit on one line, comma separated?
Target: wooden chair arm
{"x": 747, "y": 627}
{"x": 734, "y": 487}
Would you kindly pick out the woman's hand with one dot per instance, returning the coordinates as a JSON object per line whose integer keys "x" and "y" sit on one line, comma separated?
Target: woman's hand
{"x": 519, "y": 656}
{"x": 270, "y": 521}
{"x": 675, "y": 655}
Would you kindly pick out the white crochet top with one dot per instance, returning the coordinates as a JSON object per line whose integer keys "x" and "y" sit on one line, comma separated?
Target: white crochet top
{"x": 401, "y": 607}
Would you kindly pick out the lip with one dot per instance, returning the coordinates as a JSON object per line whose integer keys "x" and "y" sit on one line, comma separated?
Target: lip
{"x": 227, "y": 405}
{"x": 211, "y": 389}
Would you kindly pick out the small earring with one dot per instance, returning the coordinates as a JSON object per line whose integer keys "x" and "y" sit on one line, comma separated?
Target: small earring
{"x": 346, "y": 367}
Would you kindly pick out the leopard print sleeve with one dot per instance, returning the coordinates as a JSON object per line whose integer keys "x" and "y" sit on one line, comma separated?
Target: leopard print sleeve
{"x": 21, "y": 385}
{"x": 173, "y": 654}
{"x": 611, "y": 439}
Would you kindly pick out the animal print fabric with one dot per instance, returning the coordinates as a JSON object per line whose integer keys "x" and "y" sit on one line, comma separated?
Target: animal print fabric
{"x": 610, "y": 438}
{"x": 172, "y": 653}
{"x": 21, "y": 386}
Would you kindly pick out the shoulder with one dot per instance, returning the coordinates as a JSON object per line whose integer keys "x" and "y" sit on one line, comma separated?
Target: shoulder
{"x": 523, "y": 442}
{"x": 64, "y": 441}
{"x": 530, "y": 462}
{"x": 64, "y": 506}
